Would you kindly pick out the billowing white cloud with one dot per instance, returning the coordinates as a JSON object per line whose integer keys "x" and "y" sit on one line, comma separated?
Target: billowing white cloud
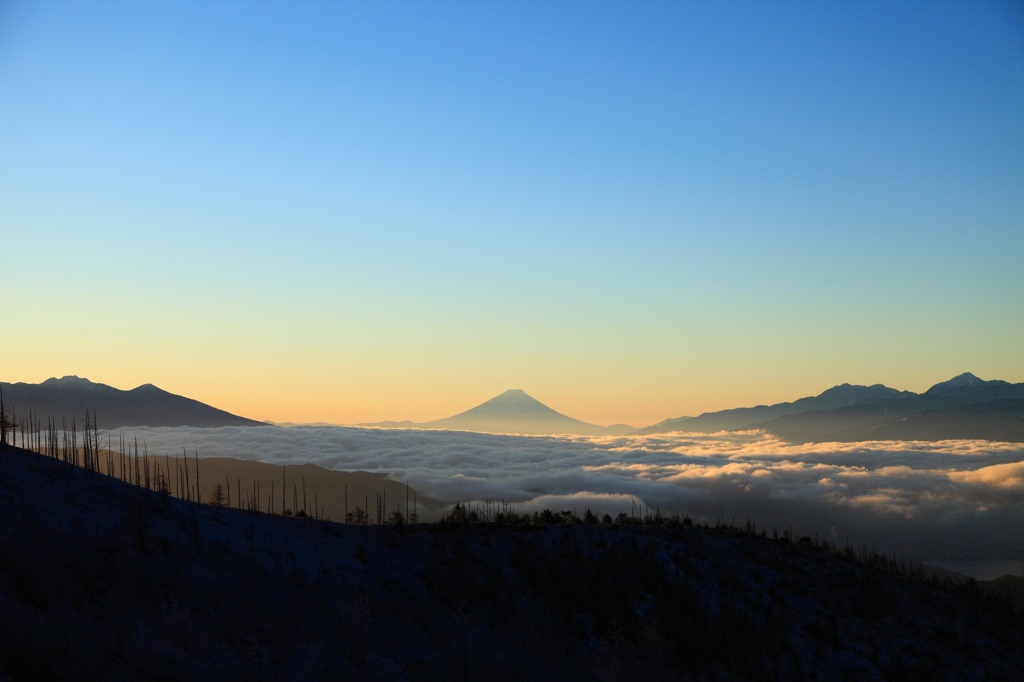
{"x": 950, "y": 498}
{"x": 1008, "y": 476}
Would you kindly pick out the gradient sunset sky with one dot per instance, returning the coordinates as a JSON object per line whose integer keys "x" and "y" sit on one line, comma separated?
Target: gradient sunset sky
{"x": 357, "y": 211}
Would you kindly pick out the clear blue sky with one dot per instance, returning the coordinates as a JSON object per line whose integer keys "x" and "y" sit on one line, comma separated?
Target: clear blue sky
{"x": 357, "y": 211}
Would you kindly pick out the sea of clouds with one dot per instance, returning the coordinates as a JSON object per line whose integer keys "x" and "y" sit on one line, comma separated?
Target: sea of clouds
{"x": 947, "y": 499}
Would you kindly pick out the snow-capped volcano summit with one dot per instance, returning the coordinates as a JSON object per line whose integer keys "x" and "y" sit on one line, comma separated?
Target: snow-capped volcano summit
{"x": 514, "y": 411}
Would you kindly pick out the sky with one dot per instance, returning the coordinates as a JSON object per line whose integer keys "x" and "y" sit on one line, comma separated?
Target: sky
{"x": 354, "y": 211}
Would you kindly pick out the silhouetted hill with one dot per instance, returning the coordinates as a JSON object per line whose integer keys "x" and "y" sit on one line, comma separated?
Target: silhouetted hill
{"x": 68, "y": 398}
{"x": 307, "y": 488}
{"x": 388, "y": 424}
{"x": 824, "y": 425}
{"x": 102, "y": 580}
{"x": 1010, "y": 585}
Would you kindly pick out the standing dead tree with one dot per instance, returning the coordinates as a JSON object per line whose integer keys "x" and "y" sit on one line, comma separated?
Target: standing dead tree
{"x": 6, "y": 423}
{"x": 217, "y": 497}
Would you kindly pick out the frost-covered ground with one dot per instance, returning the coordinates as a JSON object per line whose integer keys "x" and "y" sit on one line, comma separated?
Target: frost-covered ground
{"x": 99, "y": 580}
{"x": 939, "y": 500}
{"x": 102, "y": 580}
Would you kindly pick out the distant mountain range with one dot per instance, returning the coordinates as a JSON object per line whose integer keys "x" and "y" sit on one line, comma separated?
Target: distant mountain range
{"x": 512, "y": 412}
{"x": 67, "y": 399}
{"x": 843, "y": 395}
{"x": 963, "y": 407}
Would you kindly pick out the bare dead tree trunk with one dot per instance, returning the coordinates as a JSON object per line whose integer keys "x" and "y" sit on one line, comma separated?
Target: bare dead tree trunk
{"x": 74, "y": 441}
{"x": 87, "y": 443}
{"x": 188, "y": 488}
{"x": 3, "y": 418}
{"x": 199, "y": 497}
{"x": 145, "y": 454}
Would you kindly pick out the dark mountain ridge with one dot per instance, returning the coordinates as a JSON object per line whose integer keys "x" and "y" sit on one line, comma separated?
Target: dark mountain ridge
{"x": 964, "y": 407}
{"x": 855, "y": 413}
{"x": 103, "y": 580}
{"x": 66, "y": 400}
{"x": 839, "y": 396}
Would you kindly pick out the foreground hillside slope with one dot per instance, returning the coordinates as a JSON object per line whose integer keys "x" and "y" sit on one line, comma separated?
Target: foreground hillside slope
{"x": 102, "y": 580}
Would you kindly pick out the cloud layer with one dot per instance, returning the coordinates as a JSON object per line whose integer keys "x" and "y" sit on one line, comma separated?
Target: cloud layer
{"x": 949, "y": 499}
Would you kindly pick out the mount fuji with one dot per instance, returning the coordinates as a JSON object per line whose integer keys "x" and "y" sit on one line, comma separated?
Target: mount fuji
{"x": 514, "y": 411}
